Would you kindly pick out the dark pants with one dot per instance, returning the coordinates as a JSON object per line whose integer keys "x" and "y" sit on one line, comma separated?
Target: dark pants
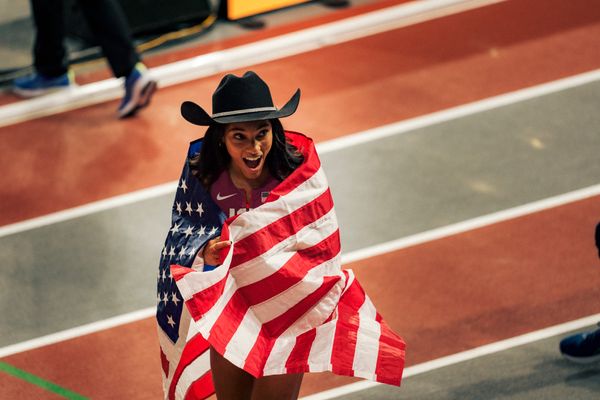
{"x": 106, "y": 21}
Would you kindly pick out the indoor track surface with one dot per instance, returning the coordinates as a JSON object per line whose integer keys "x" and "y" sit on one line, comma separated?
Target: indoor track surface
{"x": 461, "y": 143}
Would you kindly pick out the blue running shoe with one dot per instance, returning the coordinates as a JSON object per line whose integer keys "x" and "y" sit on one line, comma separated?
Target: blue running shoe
{"x": 582, "y": 348}
{"x": 139, "y": 88}
{"x": 37, "y": 84}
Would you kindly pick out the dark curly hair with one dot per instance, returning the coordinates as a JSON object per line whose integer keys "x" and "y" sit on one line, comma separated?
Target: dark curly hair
{"x": 282, "y": 160}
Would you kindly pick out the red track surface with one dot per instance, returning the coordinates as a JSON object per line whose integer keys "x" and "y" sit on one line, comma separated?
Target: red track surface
{"x": 84, "y": 155}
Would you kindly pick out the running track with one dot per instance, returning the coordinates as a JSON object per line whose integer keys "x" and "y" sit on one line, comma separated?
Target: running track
{"x": 466, "y": 285}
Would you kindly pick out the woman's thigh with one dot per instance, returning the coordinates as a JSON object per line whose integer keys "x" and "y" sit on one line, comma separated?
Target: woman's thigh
{"x": 231, "y": 382}
{"x": 277, "y": 387}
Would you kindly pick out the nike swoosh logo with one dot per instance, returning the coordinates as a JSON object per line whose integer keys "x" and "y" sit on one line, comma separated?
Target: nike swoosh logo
{"x": 219, "y": 197}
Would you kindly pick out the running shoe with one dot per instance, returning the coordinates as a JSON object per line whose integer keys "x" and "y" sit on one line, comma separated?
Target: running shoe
{"x": 139, "y": 88}
{"x": 582, "y": 348}
{"x": 37, "y": 84}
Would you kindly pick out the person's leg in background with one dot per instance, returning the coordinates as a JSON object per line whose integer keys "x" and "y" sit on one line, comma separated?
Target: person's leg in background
{"x": 49, "y": 54}
{"x": 583, "y": 347}
{"x": 110, "y": 28}
{"x": 109, "y": 25}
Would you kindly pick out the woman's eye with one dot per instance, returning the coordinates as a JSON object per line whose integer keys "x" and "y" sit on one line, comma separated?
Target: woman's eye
{"x": 237, "y": 136}
{"x": 262, "y": 134}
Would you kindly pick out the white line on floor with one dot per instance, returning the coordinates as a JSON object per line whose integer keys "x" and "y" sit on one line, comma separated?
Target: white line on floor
{"x": 471, "y": 224}
{"x": 323, "y": 148}
{"x": 77, "y": 331}
{"x": 242, "y": 56}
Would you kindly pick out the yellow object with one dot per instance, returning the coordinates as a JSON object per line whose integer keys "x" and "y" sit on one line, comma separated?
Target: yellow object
{"x": 237, "y": 9}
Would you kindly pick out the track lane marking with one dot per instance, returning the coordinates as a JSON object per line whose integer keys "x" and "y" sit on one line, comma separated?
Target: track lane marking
{"x": 325, "y": 147}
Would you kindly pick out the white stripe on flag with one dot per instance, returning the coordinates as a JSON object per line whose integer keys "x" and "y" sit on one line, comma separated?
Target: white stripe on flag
{"x": 279, "y": 354}
{"x": 319, "y": 358}
{"x": 191, "y": 373}
{"x": 243, "y": 340}
{"x": 198, "y": 281}
{"x": 367, "y": 342}
{"x": 248, "y": 223}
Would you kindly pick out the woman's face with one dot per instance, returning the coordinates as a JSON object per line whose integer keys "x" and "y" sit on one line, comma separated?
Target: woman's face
{"x": 248, "y": 144}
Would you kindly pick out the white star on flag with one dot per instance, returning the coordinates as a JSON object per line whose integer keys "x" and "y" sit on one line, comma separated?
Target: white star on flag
{"x": 199, "y": 209}
{"x": 188, "y": 231}
{"x": 172, "y": 252}
{"x": 170, "y": 320}
{"x": 183, "y": 186}
{"x": 188, "y": 207}
{"x": 175, "y": 228}
{"x": 182, "y": 252}
{"x": 202, "y": 230}
{"x": 178, "y": 204}
{"x": 174, "y": 298}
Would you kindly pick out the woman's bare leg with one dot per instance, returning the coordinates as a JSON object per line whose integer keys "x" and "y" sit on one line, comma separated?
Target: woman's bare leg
{"x": 231, "y": 382}
{"x": 277, "y": 387}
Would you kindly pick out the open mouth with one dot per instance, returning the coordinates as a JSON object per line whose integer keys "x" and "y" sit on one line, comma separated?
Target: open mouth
{"x": 252, "y": 162}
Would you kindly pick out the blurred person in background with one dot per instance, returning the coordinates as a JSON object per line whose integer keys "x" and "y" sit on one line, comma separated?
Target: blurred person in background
{"x": 109, "y": 26}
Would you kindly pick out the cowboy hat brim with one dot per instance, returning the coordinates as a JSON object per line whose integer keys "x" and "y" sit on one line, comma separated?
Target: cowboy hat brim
{"x": 196, "y": 115}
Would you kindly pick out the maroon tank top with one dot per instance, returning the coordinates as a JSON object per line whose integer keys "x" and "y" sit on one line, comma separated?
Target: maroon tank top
{"x": 233, "y": 200}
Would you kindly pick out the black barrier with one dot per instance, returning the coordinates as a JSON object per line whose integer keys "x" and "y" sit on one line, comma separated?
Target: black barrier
{"x": 144, "y": 16}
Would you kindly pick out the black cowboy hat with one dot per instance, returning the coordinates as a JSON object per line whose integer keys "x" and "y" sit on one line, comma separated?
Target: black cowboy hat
{"x": 239, "y": 100}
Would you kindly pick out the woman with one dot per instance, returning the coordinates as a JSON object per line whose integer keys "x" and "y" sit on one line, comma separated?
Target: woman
{"x": 268, "y": 292}
{"x": 241, "y": 161}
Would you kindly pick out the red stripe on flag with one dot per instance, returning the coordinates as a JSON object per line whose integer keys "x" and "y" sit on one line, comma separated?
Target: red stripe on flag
{"x": 201, "y": 389}
{"x": 298, "y": 360}
{"x": 178, "y": 272}
{"x": 257, "y": 358}
{"x": 228, "y": 322}
{"x": 391, "y": 349}
{"x": 164, "y": 363}
{"x": 344, "y": 342}
{"x": 201, "y": 302}
{"x": 265, "y": 238}
{"x": 308, "y": 168}
{"x": 293, "y": 271}
{"x": 192, "y": 350}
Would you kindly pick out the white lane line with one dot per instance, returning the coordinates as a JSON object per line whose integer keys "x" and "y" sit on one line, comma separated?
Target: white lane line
{"x": 453, "y": 113}
{"x": 242, "y": 56}
{"x": 77, "y": 331}
{"x": 323, "y": 147}
{"x": 471, "y": 224}
{"x": 90, "y": 208}
{"x": 465, "y": 356}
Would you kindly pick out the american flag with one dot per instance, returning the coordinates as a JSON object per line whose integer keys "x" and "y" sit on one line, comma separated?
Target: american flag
{"x": 280, "y": 302}
{"x": 195, "y": 220}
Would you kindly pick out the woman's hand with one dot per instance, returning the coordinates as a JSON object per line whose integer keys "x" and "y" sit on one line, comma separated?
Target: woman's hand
{"x": 212, "y": 250}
